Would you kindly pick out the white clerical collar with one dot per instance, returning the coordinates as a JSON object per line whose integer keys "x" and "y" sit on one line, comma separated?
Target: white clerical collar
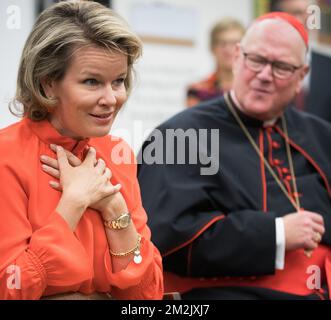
{"x": 266, "y": 123}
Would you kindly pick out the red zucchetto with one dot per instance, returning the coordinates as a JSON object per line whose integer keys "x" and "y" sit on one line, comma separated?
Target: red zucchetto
{"x": 294, "y": 22}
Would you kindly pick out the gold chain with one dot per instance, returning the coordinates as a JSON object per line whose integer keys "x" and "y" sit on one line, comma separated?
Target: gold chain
{"x": 133, "y": 250}
{"x": 296, "y": 203}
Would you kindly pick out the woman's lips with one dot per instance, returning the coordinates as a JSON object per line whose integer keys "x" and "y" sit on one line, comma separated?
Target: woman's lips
{"x": 102, "y": 118}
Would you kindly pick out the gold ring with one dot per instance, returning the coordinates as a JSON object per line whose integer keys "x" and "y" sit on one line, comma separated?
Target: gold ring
{"x": 317, "y": 237}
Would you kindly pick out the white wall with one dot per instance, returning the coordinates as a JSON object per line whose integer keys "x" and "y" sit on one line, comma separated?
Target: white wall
{"x": 163, "y": 72}
{"x": 16, "y": 20}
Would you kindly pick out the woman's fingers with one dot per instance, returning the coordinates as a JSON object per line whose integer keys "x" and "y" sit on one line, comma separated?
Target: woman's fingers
{"x": 49, "y": 161}
{"x": 55, "y": 185}
{"x": 68, "y": 157}
{"x": 73, "y": 160}
{"x": 117, "y": 187}
{"x": 62, "y": 158}
{"x": 51, "y": 171}
{"x": 107, "y": 173}
{"x": 111, "y": 190}
{"x": 90, "y": 158}
{"x": 53, "y": 147}
{"x": 100, "y": 166}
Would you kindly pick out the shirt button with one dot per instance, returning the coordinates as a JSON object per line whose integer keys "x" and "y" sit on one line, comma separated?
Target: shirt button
{"x": 275, "y": 145}
{"x": 276, "y": 162}
{"x": 288, "y": 178}
{"x": 284, "y": 170}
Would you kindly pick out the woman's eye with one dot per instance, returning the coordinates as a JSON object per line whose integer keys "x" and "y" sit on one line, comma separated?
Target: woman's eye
{"x": 119, "y": 81}
{"x": 91, "y": 82}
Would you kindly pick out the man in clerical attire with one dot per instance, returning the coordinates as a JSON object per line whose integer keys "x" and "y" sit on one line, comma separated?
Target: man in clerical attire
{"x": 259, "y": 226}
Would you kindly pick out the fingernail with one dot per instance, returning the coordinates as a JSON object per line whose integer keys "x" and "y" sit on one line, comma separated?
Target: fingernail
{"x": 53, "y": 183}
{"x": 53, "y": 146}
{"x": 43, "y": 158}
{"x": 59, "y": 148}
{"x": 43, "y": 167}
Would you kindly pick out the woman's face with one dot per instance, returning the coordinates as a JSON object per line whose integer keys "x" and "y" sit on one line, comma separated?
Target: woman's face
{"x": 90, "y": 94}
{"x": 225, "y": 48}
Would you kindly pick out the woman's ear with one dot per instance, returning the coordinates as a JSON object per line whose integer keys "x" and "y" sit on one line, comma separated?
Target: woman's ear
{"x": 48, "y": 87}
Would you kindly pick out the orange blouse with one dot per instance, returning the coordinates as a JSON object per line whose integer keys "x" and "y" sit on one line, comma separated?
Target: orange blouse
{"x": 39, "y": 254}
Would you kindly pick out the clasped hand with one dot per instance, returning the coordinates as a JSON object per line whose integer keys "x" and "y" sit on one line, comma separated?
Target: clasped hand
{"x": 303, "y": 229}
{"x": 87, "y": 181}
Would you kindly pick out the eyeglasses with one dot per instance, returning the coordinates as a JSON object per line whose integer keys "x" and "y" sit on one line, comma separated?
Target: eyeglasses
{"x": 280, "y": 70}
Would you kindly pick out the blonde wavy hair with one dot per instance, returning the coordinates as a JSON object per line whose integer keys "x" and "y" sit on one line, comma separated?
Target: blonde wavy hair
{"x": 223, "y": 25}
{"x": 57, "y": 33}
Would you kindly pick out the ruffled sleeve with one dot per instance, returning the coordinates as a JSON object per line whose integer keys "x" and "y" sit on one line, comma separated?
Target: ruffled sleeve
{"x": 30, "y": 260}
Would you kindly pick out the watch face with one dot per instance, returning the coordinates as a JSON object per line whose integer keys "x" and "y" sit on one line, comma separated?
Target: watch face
{"x": 124, "y": 221}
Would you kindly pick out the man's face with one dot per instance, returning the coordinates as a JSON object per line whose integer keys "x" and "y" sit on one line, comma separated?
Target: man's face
{"x": 261, "y": 94}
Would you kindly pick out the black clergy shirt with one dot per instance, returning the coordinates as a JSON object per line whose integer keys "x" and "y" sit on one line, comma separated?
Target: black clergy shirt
{"x": 181, "y": 203}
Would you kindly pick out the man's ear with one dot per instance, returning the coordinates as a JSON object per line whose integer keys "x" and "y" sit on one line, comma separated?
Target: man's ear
{"x": 48, "y": 87}
{"x": 236, "y": 58}
{"x": 303, "y": 73}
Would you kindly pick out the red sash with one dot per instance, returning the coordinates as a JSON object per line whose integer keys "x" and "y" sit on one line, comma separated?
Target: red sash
{"x": 298, "y": 277}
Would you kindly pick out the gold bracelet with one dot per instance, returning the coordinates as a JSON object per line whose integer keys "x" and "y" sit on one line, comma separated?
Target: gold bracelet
{"x": 135, "y": 250}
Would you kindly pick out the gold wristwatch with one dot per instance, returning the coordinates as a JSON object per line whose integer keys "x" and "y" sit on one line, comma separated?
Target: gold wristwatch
{"x": 119, "y": 223}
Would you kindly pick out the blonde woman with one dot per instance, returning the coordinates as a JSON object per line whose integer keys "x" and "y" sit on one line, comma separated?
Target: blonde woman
{"x": 224, "y": 36}
{"x": 83, "y": 234}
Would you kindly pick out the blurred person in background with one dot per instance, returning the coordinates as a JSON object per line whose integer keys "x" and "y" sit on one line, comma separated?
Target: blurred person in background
{"x": 223, "y": 38}
{"x": 298, "y": 9}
